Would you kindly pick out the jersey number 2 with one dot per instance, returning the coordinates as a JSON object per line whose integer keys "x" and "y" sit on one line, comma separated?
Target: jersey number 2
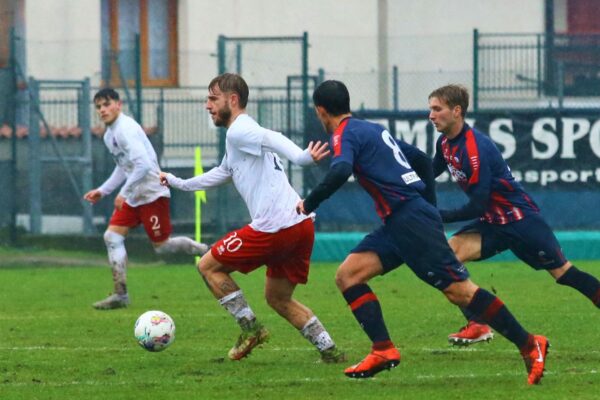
{"x": 392, "y": 144}
{"x": 155, "y": 222}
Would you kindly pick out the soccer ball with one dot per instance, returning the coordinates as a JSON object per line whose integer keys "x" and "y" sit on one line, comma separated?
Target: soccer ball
{"x": 154, "y": 330}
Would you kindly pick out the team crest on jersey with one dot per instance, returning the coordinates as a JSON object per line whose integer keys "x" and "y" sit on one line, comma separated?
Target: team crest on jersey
{"x": 453, "y": 162}
{"x": 457, "y": 174}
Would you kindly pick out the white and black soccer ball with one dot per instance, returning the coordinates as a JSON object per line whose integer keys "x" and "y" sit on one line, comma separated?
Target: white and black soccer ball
{"x": 154, "y": 330}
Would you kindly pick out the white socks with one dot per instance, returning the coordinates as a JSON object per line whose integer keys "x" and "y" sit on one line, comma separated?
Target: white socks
{"x": 315, "y": 332}
{"x": 237, "y": 306}
{"x": 182, "y": 244}
{"x": 117, "y": 256}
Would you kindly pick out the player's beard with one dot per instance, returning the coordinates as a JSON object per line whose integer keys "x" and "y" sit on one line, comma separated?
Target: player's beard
{"x": 223, "y": 116}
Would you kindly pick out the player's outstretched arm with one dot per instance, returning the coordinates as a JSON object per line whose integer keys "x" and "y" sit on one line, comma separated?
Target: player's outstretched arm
{"x": 278, "y": 143}
{"x": 93, "y": 196}
{"x": 114, "y": 181}
{"x": 338, "y": 175}
{"x": 215, "y": 177}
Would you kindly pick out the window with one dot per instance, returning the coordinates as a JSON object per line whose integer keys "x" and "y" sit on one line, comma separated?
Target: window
{"x": 11, "y": 15}
{"x": 156, "y": 23}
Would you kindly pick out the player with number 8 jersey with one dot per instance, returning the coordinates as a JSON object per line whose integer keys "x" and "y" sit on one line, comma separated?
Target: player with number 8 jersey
{"x": 412, "y": 233}
{"x": 276, "y": 237}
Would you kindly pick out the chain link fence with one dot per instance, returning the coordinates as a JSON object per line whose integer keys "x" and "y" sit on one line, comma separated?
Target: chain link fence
{"x": 529, "y": 92}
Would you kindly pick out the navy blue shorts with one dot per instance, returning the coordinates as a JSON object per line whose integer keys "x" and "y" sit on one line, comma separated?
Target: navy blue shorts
{"x": 414, "y": 234}
{"x": 530, "y": 239}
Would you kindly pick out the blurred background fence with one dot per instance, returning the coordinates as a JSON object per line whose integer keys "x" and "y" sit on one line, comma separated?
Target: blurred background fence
{"x": 537, "y": 95}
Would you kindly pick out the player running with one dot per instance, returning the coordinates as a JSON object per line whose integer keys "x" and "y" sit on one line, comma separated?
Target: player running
{"x": 277, "y": 237}
{"x": 412, "y": 233}
{"x": 141, "y": 200}
{"x": 507, "y": 218}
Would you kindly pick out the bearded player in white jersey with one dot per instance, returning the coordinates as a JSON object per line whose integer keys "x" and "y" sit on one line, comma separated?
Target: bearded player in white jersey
{"x": 141, "y": 200}
{"x": 277, "y": 236}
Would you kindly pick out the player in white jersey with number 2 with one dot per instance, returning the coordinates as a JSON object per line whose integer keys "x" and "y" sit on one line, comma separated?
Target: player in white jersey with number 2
{"x": 277, "y": 236}
{"x": 141, "y": 199}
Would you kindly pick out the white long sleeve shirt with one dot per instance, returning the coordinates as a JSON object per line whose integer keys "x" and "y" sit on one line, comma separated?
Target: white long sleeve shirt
{"x": 257, "y": 173}
{"x": 137, "y": 164}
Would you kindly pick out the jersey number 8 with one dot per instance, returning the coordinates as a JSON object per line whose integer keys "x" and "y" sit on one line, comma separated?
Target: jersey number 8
{"x": 392, "y": 144}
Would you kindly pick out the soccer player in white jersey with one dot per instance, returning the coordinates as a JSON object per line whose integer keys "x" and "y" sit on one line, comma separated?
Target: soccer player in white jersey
{"x": 141, "y": 200}
{"x": 277, "y": 236}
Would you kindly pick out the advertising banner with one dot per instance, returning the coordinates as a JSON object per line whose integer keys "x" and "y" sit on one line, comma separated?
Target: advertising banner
{"x": 544, "y": 148}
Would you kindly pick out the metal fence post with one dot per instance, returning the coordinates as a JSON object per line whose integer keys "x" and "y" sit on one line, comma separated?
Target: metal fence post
{"x": 160, "y": 121}
{"x": 395, "y": 87}
{"x": 138, "y": 79}
{"x": 221, "y": 191}
{"x": 539, "y": 64}
{"x": 86, "y": 134}
{"x": 222, "y": 69}
{"x": 475, "y": 69}
{"x": 13, "y": 138}
{"x": 320, "y": 76}
{"x": 560, "y": 83}
{"x": 305, "y": 105}
{"x": 238, "y": 58}
{"x": 35, "y": 162}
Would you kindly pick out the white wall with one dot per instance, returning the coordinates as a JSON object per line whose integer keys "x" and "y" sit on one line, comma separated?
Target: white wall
{"x": 206, "y": 20}
{"x": 63, "y": 39}
{"x": 429, "y": 40}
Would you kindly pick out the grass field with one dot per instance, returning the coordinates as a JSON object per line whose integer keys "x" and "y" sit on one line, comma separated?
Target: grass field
{"x": 55, "y": 346}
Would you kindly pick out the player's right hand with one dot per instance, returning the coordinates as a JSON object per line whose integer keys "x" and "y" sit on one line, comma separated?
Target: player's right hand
{"x": 163, "y": 178}
{"x": 318, "y": 151}
{"x": 93, "y": 196}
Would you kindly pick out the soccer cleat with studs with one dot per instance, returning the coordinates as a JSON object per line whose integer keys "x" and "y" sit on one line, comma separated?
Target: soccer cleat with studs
{"x": 375, "y": 362}
{"x": 333, "y": 355}
{"x": 470, "y": 334}
{"x": 247, "y": 341}
{"x": 535, "y": 359}
{"x": 112, "y": 302}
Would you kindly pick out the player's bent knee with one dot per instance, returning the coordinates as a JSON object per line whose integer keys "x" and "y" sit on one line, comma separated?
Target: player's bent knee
{"x": 454, "y": 243}
{"x": 460, "y": 293}
{"x": 345, "y": 279}
{"x": 460, "y": 248}
{"x": 113, "y": 239}
{"x": 276, "y": 302}
{"x": 204, "y": 266}
{"x": 557, "y": 273}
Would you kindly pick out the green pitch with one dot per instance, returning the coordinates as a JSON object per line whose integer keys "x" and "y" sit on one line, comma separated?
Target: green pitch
{"x": 55, "y": 346}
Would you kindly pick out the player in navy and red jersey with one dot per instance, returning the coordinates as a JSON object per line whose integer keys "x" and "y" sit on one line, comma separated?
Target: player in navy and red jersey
{"x": 412, "y": 231}
{"x": 507, "y": 218}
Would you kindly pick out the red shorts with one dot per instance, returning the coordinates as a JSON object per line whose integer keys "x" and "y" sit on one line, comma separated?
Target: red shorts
{"x": 285, "y": 253}
{"x": 155, "y": 216}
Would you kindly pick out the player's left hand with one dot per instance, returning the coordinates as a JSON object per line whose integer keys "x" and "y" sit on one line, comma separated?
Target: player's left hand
{"x": 318, "y": 151}
{"x": 119, "y": 201}
{"x": 163, "y": 178}
{"x": 93, "y": 196}
{"x": 300, "y": 207}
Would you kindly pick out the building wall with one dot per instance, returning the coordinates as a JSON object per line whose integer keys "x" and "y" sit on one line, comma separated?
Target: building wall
{"x": 63, "y": 39}
{"x": 429, "y": 41}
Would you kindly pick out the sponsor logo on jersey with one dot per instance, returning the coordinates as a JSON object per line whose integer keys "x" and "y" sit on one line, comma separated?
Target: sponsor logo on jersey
{"x": 410, "y": 177}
